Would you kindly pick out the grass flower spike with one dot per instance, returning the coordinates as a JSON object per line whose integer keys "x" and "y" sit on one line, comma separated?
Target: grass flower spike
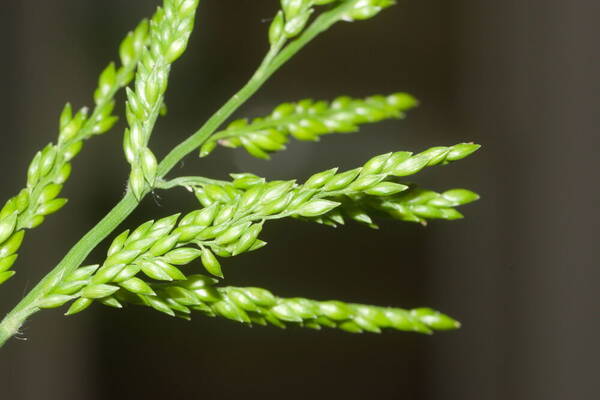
{"x": 170, "y": 30}
{"x": 51, "y": 167}
{"x": 178, "y": 264}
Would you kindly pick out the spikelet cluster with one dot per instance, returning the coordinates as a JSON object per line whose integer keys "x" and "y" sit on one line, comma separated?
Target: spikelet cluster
{"x": 295, "y": 14}
{"x": 51, "y": 167}
{"x": 170, "y": 29}
{"x": 308, "y": 120}
{"x": 230, "y": 223}
{"x": 252, "y": 305}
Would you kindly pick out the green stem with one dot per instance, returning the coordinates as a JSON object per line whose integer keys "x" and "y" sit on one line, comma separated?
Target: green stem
{"x": 12, "y": 322}
{"x": 186, "y": 181}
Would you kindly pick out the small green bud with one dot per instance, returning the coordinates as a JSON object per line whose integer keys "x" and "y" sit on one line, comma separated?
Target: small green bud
{"x": 104, "y": 125}
{"x": 188, "y": 232}
{"x": 137, "y": 286}
{"x": 246, "y": 181}
{"x": 434, "y": 319}
{"x": 72, "y": 150}
{"x": 22, "y": 201}
{"x": 211, "y": 263}
{"x": 6, "y": 275}
{"x": 231, "y": 311}
{"x": 54, "y": 300}
{"x": 451, "y": 214}
{"x": 140, "y": 231}
{"x": 316, "y": 207}
{"x": 50, "y": 192}
{"x": 149, "y": 165}
{"x": 231, "y": 234}
{"x": 402, "y": 101}
{"x": 34, "y": 222}
{"x": 340, "y": 181}
{"x": 70, "y": 288}
{"x": 258, "y": 244}
{"x": 155, "y": 271}
{"x": 79, "y": 305}
{"x": 460, "y": 151}
{"x": 250, "y": 198}
{"x": 285, "y": 312}
{"x": 158, "y": 305}
{"x": 7, "y": 262}
{"x": 65, "y": 116}
{"x": 207, "y": 148}
{"x": 217, "y": 193}
{"x": 107, "y": 273}
{"x": 224, "y": 214}
{"x": 11, "y": 245}
{"x": 47, "y": 160}
{"x": 335, "y": 310}
{"x": 386, "y": 189}
{"x": 111, "y": 302}
{"x": 182, "y": 296}
{"x": 98, "y": 291}
{"x": 410, "y": 166}
{"x": 197, "y": 281}
{"x": 260, "y": 296}
{"x": 427, "y": 211}
{"x": 175, "y": 50}
{"x": 350, "y": 327}
{"x": 276, "y": 28}
{"x": 203, "y": 197}
{"x": 163, "y": 245}
{"x": 136, "y": 182}
{"x": 106, "y": 83}
{"x": 33, "y": 172}
{"x": 395, "y": 159}
{"x": 10, "y": 207}
{"x": 301, "y": 197}
{"x": 318, "y": 180}
{"x": 127, "y": 273}
{"x": 122, "y": 257}
{"x": 51, "y": 207}
{"x": 241, "y": 300}
{"x": 117, "y": 243}
{"x": 7, "y": 226}
{"x": 460, "y": 196}
{"x": 275, "y": 206}
{"x": 295, "y": 25}
{"x": 435, "y": 155}
{"x": 253, "y": 149}
{"x": 63, "y": 174}
{"x": 291, "y": 8}
{"x": 181, "y": 256}
{"x": 247, "y": 239}
{"x": 82, "y": 273}
{"x": 366, "y": 182}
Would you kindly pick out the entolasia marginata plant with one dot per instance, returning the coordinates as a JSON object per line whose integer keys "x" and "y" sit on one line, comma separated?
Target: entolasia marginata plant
{"x": 175, "y": 264}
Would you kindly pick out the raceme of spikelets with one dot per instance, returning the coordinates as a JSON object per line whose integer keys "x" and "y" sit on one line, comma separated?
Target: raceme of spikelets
{"x": 51, "y": 167}
{"x": 294, "y": 15}
{"x": 229, "y": 224}
{"x": 170, "y": 29}
{"x": 307, "y": 120}
{"x": 412, "y": 205}
{"x": 253, "y": 305}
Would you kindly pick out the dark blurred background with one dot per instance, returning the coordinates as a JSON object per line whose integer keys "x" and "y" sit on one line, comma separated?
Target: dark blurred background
{"x": 520, "y": 272}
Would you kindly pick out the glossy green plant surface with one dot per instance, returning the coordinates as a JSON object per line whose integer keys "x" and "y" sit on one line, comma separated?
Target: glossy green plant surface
{"x": 153, "y": 264}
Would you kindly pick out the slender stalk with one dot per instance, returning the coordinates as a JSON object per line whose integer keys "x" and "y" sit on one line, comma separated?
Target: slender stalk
{"x": 188, "y": 181}
{"x": 12, "y": 322}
